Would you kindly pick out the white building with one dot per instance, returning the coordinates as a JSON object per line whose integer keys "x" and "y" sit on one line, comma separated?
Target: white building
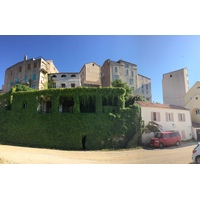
{"x": 175, "y": 85}
{"x": 64, "y": 80}
{"x": 170, "y": 117}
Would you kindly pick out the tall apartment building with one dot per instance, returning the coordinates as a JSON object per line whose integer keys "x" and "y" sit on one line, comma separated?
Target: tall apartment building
{"x": 144, "y": 87}
{"x": 90, "y": 75}
{"x": 127, "y": 72}
{"x": 32, "y": 72}
{"x": 175, "y": 85}
{"x": 64, "y": 80}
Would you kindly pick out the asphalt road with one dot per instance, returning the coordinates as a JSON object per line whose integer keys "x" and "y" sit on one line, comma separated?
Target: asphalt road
{"x": 167, "y": 155}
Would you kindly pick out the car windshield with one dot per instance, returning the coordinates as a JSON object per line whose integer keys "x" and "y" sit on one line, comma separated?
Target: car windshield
{"x": 196, "y": 146}
{"x": 158, "y": 135}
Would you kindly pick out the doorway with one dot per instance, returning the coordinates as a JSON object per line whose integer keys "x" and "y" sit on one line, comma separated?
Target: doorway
{"x": 83, "y": 142}
{"x": 198, "y": 134}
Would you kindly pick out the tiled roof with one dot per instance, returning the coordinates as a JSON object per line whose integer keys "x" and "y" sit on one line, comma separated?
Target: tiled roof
{"x": 158, "y": 105}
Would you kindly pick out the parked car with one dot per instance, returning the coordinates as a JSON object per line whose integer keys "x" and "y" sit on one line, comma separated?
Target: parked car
{"x": 162, "y": 139}
{"x": 196, "y": 154}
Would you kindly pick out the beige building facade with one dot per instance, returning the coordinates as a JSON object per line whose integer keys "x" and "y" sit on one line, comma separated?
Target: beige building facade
{"x": 192, "y": 102}
{"x": 32, "y": 72}
{"x": 64, "y": 80}
{"x": 170, "y": 117}
{"x": 90, "y": 75}
{"x": 127, "y": 72}
{"x": 175, "y": 85}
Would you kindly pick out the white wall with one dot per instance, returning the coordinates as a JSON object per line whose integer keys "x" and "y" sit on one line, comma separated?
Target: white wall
{"x": 175, "y": 125}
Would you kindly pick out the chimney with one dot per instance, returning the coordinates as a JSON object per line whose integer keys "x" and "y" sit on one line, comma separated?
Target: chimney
{"x": 25, "y": 57}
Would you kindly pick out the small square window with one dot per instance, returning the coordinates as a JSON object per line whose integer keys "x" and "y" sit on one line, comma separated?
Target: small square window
{"x": 63, "y": 85}
{"x": 170, "y": 75}
{"x": 73, "y": 85}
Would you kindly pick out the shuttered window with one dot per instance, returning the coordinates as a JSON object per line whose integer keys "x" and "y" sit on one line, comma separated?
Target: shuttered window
{"x": 155, "y": 116}
{"x": 181, "y": 117}
{"x": 169, "y": 117}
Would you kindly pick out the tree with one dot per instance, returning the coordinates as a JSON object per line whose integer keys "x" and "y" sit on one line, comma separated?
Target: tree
{"x": 119, "y": 83}
{"x": 153, "y": 127}
{"x": 132, "y": 99}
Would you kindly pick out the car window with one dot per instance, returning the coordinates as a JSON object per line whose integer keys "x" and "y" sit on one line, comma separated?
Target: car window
{"x": 171, "y": 135}
{"x": 177, "y": 134}
{"x": 158, "y": 135}
{"x": 196, "y": 146}
{"x": 165, "y": 135}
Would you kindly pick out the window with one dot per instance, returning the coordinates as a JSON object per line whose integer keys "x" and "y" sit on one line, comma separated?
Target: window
{"x": 116, "y": 76}
{"x": 132, "y": 73}
{"x": 35, "y": 64}
{"x": 127, "y": 72}
{"x": 54, "y": 76}
{"x": 155, "y": 116}
{"x": 29, "y": 66}
{"x": 20, "y": 68}
{"x": 147, "y": 87}
{"x": 54, "y": 85}
{"x": 127, "y": 66}
{"x": 63, "y": 85}
{"x": 169, "y": 117}
{"x": 197, "y": 111}
{"x": 26, "y": 79}
{"x": 63, "y": 76}
{"x": 17, "y": 81}
{"x": 181, "y": 117}
{"x": 34, "y": 77}
{"x": 73, "y": 85}
{"x": 116, "y": 69}
{"x": 24, "y": 105}
{"x": 11, "y": 72}
{"x": 170, "y": 75}
{"x": 73, "y": 75}
{"x": 165, "y": 135}
{"x": 196, "y": 97}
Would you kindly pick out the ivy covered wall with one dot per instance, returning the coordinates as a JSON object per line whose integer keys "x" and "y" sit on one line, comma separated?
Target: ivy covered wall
{"x": 38, "y": 118}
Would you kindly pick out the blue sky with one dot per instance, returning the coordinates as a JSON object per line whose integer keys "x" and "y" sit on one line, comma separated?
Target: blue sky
{"x": 153, "y": 54}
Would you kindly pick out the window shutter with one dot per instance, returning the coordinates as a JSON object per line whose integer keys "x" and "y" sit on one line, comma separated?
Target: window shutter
{"x": 179, "y": 117}
{"x": 167, "y": 117}
{"x": 172, "y": 115}
{"x": 152, "y": 116}
{"x": 184, "y": 117}
{"x": 158, "y": 115}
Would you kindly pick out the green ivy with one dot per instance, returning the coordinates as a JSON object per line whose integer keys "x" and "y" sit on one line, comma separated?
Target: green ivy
{"x": 110, "y": 126}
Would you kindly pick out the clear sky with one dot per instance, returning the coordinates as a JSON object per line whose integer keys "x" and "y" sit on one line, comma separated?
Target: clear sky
{"x": 154, "y": 55}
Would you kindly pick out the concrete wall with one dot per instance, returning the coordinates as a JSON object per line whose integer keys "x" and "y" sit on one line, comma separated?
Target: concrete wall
{"x": 175, "y": 85}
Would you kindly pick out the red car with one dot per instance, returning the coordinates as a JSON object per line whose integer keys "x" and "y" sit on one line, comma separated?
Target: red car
{"x": 162, "y": 139}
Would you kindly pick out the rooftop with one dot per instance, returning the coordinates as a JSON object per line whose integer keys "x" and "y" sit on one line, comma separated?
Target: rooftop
{"x": 158, "y": 105}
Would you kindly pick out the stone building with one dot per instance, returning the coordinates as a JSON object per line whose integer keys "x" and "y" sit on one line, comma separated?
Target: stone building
{"x": 32, "y": 72}
{"x": 128, "y": 73}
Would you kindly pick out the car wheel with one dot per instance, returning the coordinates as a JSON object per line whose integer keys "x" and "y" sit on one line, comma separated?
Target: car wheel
{"x": 177, "y": 143}
{"x": 197, "y": 159}
{"x": 161, "y": 145}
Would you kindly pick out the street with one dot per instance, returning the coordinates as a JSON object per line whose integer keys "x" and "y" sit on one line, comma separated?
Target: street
{"x": 167, "y": 155}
